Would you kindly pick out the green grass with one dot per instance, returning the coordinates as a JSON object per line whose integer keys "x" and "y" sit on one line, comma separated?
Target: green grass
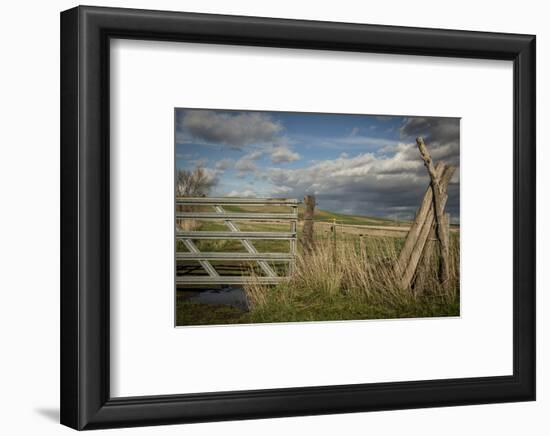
{"x": 273, "y": 246}
{"x": 192, "y": 313}
{"x": 311, "y": 308}
{"x": 354, "y": 283}
{"x": 234, "y": 245}
{"x": 320, "y": 215}
{"x": 340, "y": 307}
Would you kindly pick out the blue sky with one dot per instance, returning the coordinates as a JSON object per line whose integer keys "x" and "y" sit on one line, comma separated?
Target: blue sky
{"x": 358, "y": 164}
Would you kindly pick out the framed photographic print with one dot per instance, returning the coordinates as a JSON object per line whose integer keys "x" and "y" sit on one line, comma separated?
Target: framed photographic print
{"x": 351, "y": 249}
{"x": 266, "y": 217}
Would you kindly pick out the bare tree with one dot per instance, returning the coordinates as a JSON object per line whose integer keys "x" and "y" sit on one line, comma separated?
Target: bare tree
{"x": 191, "y": 183}
{"x": 196, "y": 183}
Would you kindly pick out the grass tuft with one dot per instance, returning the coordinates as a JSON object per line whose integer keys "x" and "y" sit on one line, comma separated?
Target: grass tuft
{"x": 354, "y": 280}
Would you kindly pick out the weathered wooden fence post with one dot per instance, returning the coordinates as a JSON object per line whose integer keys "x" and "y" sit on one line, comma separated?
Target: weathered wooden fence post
{"x": 429, "y": 219}
{"x": 333, "y": 228}
{"x": 423, "y": 273}
{"x": 440, "y": 198}
{"x": 307, "y": 231}
{"x": 416, "y": 228}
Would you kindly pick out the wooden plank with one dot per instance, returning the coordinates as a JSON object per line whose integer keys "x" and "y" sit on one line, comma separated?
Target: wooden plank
{"x": 234, "y": 200}
{"x": 225, "y": 280}
{"x": 416, "y": 228}
{"x": 236, "y": 216}
{"x": 439, "y": 201}
{"x": 234, "y": 235}
{"x": 412, "y": 264}
{"x": 410, "y": 269}
{"x": 424, "y": 267}
{"x": 235, "y": 256}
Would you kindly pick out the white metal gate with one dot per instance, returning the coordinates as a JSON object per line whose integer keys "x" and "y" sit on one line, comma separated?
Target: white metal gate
{"x": 246, "y": 238}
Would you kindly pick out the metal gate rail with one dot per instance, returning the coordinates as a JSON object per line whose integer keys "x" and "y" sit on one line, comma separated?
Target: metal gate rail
{"x": 245, "y": 237}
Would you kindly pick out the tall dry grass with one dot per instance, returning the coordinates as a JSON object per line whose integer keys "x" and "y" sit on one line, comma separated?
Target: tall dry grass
{"x": 358, "y": 271}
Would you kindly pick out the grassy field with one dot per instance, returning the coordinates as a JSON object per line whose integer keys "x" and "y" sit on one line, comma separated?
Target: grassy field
{"x": 319, "y": 216}
{"x": 350, "y": 281}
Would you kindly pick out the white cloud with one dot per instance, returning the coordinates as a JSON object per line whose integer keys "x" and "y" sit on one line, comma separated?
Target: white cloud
{"x": 387, "y": 149}
{"x": 364, "y": 141}
{"x": 224, "y": 164}
{"x": 254, "y": 155}
{"x": 199, "y": 162}
{"x": 247, "y": 163}
{"x": 371, "y": 176}
{"x": 211, "y": 174}
{"x": 351, "y": 142}
{"x": 390, "y": 180}
{"x": 245, "y": 193}
{"x": 373, "y": 184}
{"x": 281, "y": 190}
{"x": 283, "y": 154}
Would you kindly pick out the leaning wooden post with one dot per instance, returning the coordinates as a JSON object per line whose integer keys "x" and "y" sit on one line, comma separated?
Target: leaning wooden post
{"x": 424, "y": 268}
{"x": 447, "y": 231}
{"x": 439, "y": 198}
{"x": 414, "y": 232}
{"x": 426, "y": 225}
{"x": 307, "y": 231}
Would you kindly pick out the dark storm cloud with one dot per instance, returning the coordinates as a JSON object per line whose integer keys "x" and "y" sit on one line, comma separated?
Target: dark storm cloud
{"x": 441, "y": 135}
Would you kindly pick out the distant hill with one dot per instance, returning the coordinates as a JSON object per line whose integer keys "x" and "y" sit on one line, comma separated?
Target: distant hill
{"x": 321, "y": 215}
{"x": 329, "y": 216}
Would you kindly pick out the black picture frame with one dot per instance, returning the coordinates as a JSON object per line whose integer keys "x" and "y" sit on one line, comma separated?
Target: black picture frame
{"x": 85, "y": 399}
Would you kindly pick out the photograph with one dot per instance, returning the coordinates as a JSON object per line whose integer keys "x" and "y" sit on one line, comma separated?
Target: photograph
{"x": 295, "y": 217}
{"x": 263, "y": 218}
